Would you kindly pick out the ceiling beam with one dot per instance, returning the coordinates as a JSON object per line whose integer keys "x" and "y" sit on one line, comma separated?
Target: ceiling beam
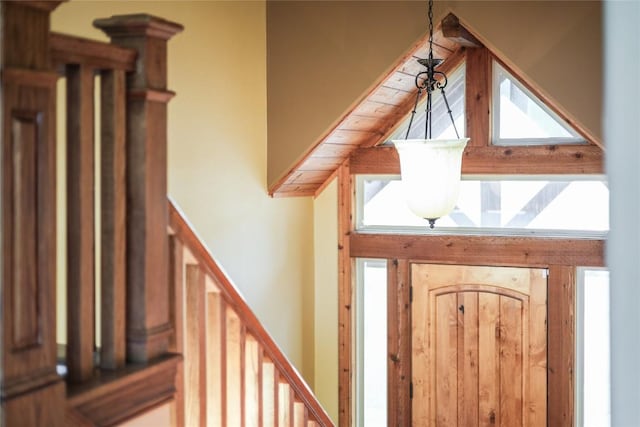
{"x": 454, "y": 31}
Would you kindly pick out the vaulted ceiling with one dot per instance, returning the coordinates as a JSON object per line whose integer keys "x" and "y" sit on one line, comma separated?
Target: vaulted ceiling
{"x": 370, "y": 122}
{"x": 375, "y": 117}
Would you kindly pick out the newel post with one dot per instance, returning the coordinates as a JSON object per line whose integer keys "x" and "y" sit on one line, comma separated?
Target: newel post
{"x": 148, "y": 323}
{"x": 31, "y": 391}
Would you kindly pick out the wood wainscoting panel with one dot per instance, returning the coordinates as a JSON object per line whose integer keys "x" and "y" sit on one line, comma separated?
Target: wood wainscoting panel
{"x": 25, "y": 289}
{"x": 31, "y": 391}
{"x": 28, "y": 240}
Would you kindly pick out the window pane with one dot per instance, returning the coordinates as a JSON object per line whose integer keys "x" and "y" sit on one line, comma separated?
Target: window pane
{"x": 521, "y": 118}
{"x": 372, "y": 348}
{"x": 507, "y": 204}
{"x": 593, "y": 349}
{"x": 441, "y": 127}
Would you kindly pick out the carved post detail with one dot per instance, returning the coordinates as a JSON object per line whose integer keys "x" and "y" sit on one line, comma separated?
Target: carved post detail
{"x": 148, "y": 322}
{"x": 31, "y": 392}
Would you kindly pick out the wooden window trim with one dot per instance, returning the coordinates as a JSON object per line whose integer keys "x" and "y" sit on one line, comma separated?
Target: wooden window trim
{"x": 560, "y": 256}
{"x": 479, "y": 250}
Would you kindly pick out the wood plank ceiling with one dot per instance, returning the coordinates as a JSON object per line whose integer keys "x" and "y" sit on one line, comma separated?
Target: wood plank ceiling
{"x": 376, "y": 116}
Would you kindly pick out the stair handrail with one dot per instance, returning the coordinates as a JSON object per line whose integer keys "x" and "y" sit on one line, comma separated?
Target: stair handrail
{"x": 185, "y": 232}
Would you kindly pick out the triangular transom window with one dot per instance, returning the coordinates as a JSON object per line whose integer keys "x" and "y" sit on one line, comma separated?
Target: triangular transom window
{"x": 521, "y": 118}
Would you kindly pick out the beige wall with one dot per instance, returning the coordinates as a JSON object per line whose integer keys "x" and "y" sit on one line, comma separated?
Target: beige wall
{"x": 217, "y": 157}
{"x": 325, "y": 238}
{"x": 323, "y": 56}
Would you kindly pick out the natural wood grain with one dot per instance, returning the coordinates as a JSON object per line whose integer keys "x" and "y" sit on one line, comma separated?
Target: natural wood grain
{"x": 28, "y": 49}
{"x": 176, "y": 316}
{"x": 24, "y": 286}
{"x": 252, "y": 382}
{"x": 377, "y": 113}
{"x": 118, "y": 396}
{"x": 366, "y": 125}
{"x": 452, "y": 30}
{"x": 468, "y": 360}
{"x": 285, "y": 406}
{"x": 479, "y": 250}
{"x": 195, "y": 348}
{"x": 333, "y": 150}
{"x": 488, "y": 359}
{"x": 345, "y": 295}
{"x": 398, "y": 343}
{"x": 148, "y": 327}
{"x": 269, "y": 403}
{"x": 478, "y": 94}
{"x": 536, "y": 400}
{"x": 28, "y": 276}
{"x": 420, "y": 356}
{"x": 493, "y": 160}
{"x": 223, "y": 359}
{"x": 32, "y": 392}
{"x": 444, "y": 378}
{"x": 234, "y": 368}
{"x": 561, "y": 338}
{"x": 321, "y": 164}
{"x": 80, "y": 224}
{"x": 354, "y": 138}
{"x": 251, "y": 324}
{"x": 511, "y": 366}
{"x": 42, "y": 407}
{"x": 67, "y": 49}
{"x": 486, "y": 332}
{"x": 113, "y": 219}
{"x": 299, "y": 415}
{"x": 215, "y": 392}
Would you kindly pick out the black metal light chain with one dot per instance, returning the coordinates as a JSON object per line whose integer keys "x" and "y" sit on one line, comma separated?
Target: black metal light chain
{"x": 430, "y": 29}
{"x": 429, "y": 84}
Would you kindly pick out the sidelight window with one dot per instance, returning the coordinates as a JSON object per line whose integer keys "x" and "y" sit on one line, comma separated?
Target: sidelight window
{"x": 593, "y": 408}
{"x": 371, "y": 337}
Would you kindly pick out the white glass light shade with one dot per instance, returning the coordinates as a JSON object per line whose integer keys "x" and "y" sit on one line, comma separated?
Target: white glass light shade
{"x": 430, "y": 171}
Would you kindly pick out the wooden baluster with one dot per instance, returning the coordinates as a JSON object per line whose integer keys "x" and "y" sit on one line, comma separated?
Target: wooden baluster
{"x": 234, "y": 369}
{"x": 252, "y": 382}
{"x": 285, "y": 405}
{"x": 217, "y": 346}
{"x": 195, "y": 362}
{"x": 148, "y": 325}
{"x": 32, "y": 392}
{"x": 299, "y": 414}
{"x": 113, "y": 225}
{"x": 269, "y": 396}
{"x": 176, "y": 314}
{"x": 80, "y": 224}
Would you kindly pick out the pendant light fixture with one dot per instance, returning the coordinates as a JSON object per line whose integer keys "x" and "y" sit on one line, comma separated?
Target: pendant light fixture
{"x": 430, "y": 168}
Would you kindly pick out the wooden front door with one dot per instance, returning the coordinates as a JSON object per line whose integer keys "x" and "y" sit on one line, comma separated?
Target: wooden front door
{"x": 479, "y": 346}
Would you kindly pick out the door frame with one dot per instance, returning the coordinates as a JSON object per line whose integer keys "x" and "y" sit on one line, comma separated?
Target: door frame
{"x": 561, "y": 256}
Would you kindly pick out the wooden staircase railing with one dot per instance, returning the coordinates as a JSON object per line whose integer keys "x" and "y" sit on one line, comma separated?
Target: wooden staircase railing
{"x": 130, "y": 370}
{"x": 233, "y": 373}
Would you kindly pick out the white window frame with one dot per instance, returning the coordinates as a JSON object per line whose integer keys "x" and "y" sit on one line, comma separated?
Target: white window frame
{"x": 495, "y": 113}
{"x": 358, "y": 402}
{"x": 473, "y": 231}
